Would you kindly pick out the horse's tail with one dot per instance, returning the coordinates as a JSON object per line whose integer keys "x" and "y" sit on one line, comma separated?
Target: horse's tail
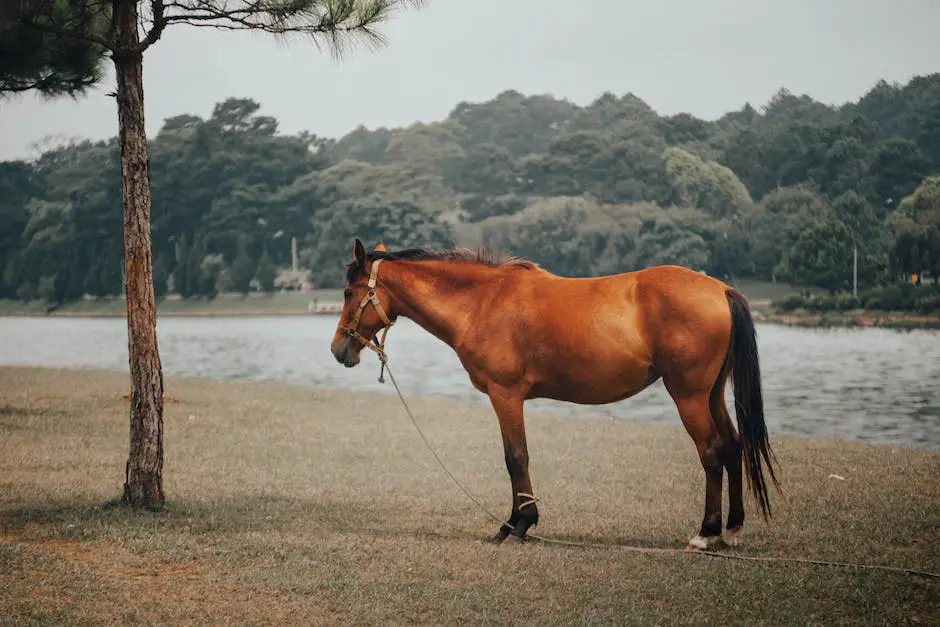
{"x": 748, "y": 400}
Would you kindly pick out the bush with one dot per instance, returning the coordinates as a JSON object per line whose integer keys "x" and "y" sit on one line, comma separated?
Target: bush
{"x": 904, "y": 297}
{"x": 898, "y": 297}
{"x": 790, "y": 303}
{"x": 847, "y": 302}
{"x": 891, "y": 298}
{"x": 929, "y": 303}
{"x": 822, "y": 304}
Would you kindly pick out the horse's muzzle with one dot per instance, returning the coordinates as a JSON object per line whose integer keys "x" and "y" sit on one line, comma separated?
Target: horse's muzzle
{"x": 346, "y": 354}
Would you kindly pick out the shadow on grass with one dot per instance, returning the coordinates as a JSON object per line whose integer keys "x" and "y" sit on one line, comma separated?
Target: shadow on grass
{"x": 114, "y": 520}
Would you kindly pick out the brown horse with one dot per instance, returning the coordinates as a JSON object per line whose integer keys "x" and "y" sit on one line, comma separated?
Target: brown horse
{"x": 521, "y": 332}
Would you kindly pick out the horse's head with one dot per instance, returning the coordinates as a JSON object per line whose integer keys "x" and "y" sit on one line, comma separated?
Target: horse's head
{"x": 365, "y": 307}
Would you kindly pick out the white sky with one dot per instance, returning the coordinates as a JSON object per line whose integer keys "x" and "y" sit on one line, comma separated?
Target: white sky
{"x": 705, "y": 57}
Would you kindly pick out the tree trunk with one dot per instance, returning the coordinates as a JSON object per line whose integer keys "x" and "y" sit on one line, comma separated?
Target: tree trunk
{"x": 143, "y": 485}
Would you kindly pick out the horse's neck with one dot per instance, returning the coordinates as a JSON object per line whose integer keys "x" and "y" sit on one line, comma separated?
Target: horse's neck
{"x": 439, "y": 296}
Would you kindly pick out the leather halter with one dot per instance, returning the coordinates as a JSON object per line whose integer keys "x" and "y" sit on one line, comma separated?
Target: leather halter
{"x": 370, "y": 297}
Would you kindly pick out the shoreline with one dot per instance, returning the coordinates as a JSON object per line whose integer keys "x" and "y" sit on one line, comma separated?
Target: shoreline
{"x": 196, "y": 313}
{"x": 847, "y": 319}
{"x": 852, "y": 319}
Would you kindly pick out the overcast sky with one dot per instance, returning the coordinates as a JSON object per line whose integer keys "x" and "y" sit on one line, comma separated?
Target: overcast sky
{"x": 705, "y": 57}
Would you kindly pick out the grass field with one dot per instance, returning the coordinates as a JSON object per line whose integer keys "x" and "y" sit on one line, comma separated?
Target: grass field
{"x": 312, "y": 506}
{"x": 764, "y": 291}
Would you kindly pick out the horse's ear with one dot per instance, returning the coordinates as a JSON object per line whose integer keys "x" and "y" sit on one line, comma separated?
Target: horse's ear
{"x": 380, "y": 248}
{"x": 359, "y": 253}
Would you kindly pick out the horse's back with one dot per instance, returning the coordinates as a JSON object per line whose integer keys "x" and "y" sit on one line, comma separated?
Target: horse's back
{"x": 652, "y": 300}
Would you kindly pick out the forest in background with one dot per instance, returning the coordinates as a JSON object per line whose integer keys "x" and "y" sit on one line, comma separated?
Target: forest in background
{"x": 781, "y": 193}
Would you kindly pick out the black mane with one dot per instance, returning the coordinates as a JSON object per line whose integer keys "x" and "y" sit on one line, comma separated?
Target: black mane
{"x": 483, "y": 255}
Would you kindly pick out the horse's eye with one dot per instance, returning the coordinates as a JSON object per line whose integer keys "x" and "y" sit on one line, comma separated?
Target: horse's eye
{"x": 347, "y": 294}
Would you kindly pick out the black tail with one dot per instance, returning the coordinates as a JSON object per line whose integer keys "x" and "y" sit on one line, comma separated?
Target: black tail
{"x": 748, "y": 400}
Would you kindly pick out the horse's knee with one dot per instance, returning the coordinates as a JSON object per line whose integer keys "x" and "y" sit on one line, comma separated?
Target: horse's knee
{"x": 711, "y": 457}
{"x": 517, "y": 464}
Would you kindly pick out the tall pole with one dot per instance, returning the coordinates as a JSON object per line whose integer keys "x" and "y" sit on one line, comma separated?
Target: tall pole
{"x": 293, "y": 253}
{"x": 854, "y": 270}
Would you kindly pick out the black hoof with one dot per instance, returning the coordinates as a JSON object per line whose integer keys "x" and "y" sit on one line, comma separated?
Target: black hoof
{"x": 514, "y": 539}
{"x": 500, "y": 535}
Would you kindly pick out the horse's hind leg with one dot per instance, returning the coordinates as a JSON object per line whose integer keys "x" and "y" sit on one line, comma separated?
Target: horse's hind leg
{"x": 696, "y": 417}
{"x": 731, "y": 457}
{"x": 732, "y": 535}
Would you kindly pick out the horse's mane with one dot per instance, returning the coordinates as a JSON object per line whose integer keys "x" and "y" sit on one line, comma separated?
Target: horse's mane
{"x": 483, "y": 255}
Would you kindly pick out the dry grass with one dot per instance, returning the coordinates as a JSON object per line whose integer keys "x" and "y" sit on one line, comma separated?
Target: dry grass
{"x": 315, "y": 506}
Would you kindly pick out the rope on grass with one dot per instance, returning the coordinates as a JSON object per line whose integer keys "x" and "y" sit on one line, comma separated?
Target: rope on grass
{"x": 639, "y": 549}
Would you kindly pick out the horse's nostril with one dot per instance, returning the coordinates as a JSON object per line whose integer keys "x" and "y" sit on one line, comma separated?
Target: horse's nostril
{"x": 339, "y": 353}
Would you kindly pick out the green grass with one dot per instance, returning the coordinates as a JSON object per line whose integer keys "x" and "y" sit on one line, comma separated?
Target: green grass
{"x": 16, "y": 307}
{"x": 312, "y": 506}
{"x": 757, "y": 290}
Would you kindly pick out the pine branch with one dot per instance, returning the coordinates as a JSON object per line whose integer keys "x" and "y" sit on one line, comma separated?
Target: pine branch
{"x": 336, "y": 20}
{"x": 159, "y": 24}
{"x": 67, "y": 33}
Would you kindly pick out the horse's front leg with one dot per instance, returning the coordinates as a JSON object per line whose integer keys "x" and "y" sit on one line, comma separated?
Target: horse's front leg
{"x": 525, "y": 513}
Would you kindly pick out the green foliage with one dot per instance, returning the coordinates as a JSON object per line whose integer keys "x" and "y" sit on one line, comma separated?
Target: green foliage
{"x": 400, "y": 224}
{"x": 31, "y": 59}
{"x": 161, "y": 277}
{"x": 576, "y": 236}
{"x": 487, "y": 169}
{"x": 898, "y": 166}
{"x": 214, "y": 277}
{"x": 554, "y": 232}
{"x": 820, "y": 256}
{"x": 48, "y": 290}
{"x": 480, "y": 207}
{"x": 427, "y": 148}
{"x": 916, "y": 230}
{"x": 703, "y": 185}
{"x": 623, "y": 166}
{"x": 524, "y": 125}
{"x": 243, "y": 269}
{"x": 265, "y": 273}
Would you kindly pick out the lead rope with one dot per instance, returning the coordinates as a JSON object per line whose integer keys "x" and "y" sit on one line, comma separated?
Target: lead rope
{"x": 383, "y": 357}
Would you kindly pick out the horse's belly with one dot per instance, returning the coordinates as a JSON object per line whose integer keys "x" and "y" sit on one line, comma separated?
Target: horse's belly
{"x": 595, "y": 385}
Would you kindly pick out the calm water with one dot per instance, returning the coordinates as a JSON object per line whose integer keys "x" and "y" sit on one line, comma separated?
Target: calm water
{"x": 859, "y": 384}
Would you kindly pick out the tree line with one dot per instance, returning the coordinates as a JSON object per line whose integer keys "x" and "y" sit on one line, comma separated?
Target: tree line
{"x": 788, "y": 192}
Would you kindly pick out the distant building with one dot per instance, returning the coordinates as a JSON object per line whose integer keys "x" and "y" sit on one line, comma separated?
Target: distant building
{"x": 293, "y": 280}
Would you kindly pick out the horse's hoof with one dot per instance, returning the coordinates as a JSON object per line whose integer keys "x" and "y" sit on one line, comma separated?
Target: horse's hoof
{"x": 702, "y": 543}
{"x": 500, "y": 535}
{"x": 514, "y": 539}
{"x": 732, "y": 537}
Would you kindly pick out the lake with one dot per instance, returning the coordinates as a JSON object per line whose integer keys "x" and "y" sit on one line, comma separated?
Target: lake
{"x": 872, "y": 385}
